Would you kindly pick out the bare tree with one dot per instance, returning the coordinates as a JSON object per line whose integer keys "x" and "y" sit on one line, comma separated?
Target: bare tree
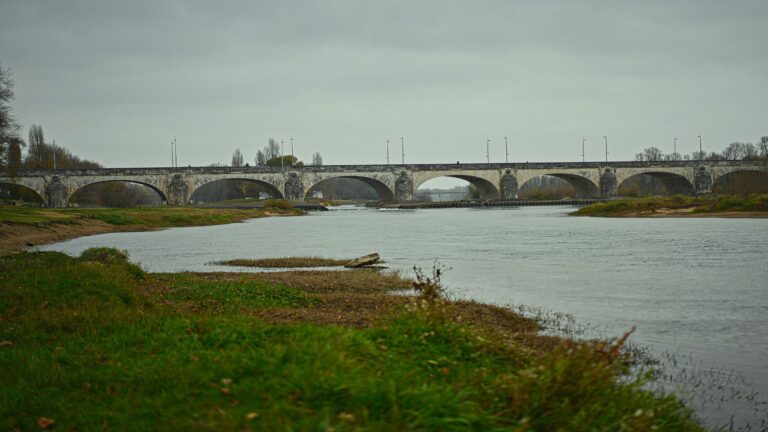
{"x": 763, "y": 147}
{"x": 699, "y": 155}
{"x": 237, "y": 158}
{"x": 261, "y": 158}
{"x": 9, "y": 128}
{"x": 750, "y": 152}
{"x": 650, "y": 154}
{"x": 272, "y": 150}
{"x": 734, "y": 151}
{"x": 36, "y": 146}
{"x": 317, "y": 160}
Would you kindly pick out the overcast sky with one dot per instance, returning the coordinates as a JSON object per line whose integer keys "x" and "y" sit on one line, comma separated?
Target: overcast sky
{"x": 116, "y": 80}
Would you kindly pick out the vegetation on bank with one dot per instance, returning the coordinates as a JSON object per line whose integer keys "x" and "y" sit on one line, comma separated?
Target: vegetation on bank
{"x": 676, "y": 205}
{"x": 142, "y": 217}
{"x": 94, "y": 343}
{"x": 285, "y": 262}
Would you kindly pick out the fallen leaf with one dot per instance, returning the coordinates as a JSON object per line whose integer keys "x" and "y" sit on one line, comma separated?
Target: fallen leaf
{"x": 225, "y": 391}
{"x": 226, "y": 381}
{"x": 251, "y": 415}
{"x": 5, "y": 343}
{"x": 45, "y": 422}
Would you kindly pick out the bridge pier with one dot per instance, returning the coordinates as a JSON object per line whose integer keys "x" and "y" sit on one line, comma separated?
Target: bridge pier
{"x": 56, "y": 195}
{"x": 404, "y": 187}
{"x": 508, "y": 186}
{"x": 608, "y": 184}
{"x": 702, "y": 181}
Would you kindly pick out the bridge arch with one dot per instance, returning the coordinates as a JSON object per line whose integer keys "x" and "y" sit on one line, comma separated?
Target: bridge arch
{"x": 741, "y": 182}
{"x": 485, "y": 187}
{"x": 385, "y": 192}
{"x": 271, "y": 189}
{"x": 8, "y": 187}
{"x": 674, "y": 184}
{"x": 585, "y": 188}
{"x": 80, "y": 188}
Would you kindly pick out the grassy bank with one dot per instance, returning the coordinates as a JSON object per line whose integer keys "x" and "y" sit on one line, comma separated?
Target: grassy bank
{"x": 680, "y": 205}
{"x": 94, "y": 343}
{"x": 22, "y": 227}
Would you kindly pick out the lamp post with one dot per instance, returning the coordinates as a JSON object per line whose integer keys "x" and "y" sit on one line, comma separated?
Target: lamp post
{"x": 583, "y": 140}
{"x": 606, "y": 147}
{"x": 674, "y": 148}
{"x": 387, "y": 151}
{"x": 506, "y": 150}
{"x": 402, "y": 148}
{"x": 701, "y": 151}
{"x": 487, "y": 150}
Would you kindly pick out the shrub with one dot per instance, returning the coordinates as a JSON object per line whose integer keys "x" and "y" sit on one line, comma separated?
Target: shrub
{"x": 112, "y": 256}
{"x": 278, "y": 204}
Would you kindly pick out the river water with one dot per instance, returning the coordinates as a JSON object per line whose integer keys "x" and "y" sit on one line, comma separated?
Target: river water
{"x": 696, "y": 289}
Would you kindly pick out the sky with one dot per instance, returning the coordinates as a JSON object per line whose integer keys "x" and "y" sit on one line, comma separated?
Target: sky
{"x": 115, "y": 81}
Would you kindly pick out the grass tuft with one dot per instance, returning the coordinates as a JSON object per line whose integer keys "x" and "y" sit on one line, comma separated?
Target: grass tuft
{"x": 286, "y": 262}
{"x": 697, "y": 205}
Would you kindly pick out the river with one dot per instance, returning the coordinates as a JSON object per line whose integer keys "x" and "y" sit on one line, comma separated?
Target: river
{"x": 693, "y": 287}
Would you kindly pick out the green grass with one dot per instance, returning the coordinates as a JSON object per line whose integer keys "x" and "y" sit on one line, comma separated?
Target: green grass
{"x": 140, "y": 217}
{"x": 700, "y": 204}
{"x": 93, "y": 345}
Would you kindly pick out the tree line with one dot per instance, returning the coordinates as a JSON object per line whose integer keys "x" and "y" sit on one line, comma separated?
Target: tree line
{"x": 272, "y": 155}
{"x": 734, "y": 151}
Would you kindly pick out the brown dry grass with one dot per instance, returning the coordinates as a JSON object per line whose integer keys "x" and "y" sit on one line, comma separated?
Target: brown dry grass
{"x": 363, "y": 298}
{"x": 285, "y": 262}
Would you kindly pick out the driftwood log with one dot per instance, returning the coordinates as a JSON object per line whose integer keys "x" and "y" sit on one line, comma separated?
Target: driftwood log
{"x": 363, "y": 261}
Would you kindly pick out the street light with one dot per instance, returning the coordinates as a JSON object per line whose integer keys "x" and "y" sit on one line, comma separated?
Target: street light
{"x": 487, "y": 148}
{"x": 701, "y": 152}
{"x": 402, "y": 148}
{"x": 674, "y": 148}
{"x": 506, "y": 150}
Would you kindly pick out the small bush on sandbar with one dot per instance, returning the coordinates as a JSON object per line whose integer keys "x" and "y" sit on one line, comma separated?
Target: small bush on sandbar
{"x": 278, "y": 204}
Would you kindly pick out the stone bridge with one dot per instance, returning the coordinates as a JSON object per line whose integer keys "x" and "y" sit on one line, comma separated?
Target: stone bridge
{"x": 393, "y": 183}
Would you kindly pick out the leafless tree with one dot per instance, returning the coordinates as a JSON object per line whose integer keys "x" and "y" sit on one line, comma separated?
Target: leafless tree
{"x": 317, "y": 160}
{"x": 237, "y": 158}
{"x": 272, "y": 150}
{"x": 734, "y": 151}
{"x": 750, "y": 152}
{"x": 36, "y": 146}
{"x": 650, "y": 154}
{"x": 763, "y": 146}
{"x": 9, "y": 128}
{"x": 261, "y": 158}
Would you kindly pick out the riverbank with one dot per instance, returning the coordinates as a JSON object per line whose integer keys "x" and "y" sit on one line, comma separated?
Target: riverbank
{"x": 725, "y": 206}
{"x": 95, "y": 343}
{"x": 23, "y": 227}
